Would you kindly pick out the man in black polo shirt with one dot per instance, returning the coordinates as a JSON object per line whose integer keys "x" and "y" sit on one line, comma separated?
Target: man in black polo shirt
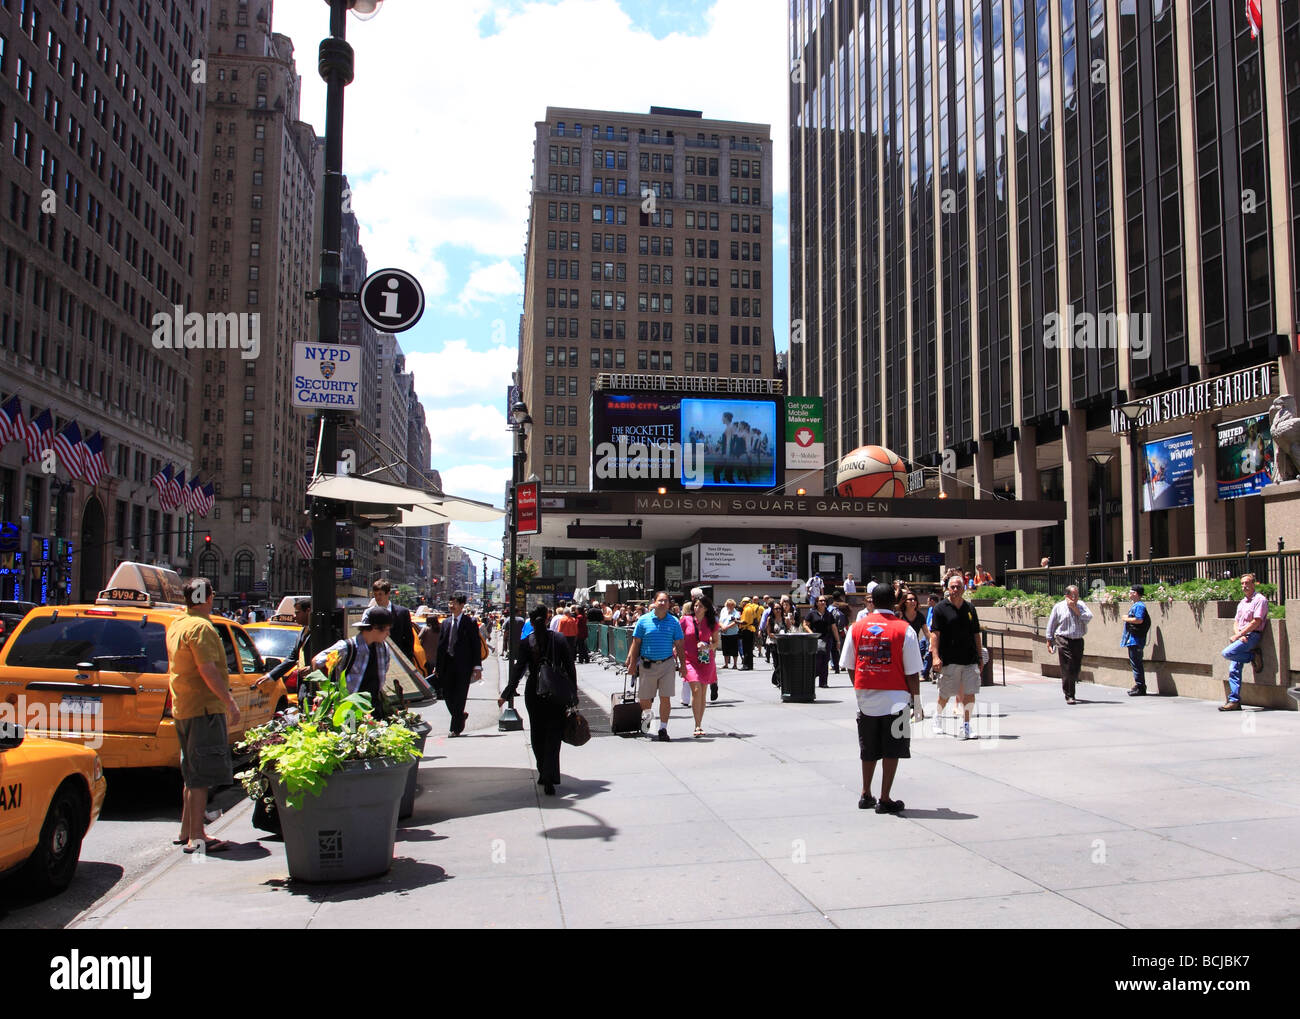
{"x": 955, "y": 652}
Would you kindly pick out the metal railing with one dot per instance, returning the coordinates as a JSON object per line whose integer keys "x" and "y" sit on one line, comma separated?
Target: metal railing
{"x": 1280, "y": 567}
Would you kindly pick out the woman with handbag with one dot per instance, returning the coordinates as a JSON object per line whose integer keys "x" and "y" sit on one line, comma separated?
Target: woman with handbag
{"x": 550, "y": 690}
{"x": 703, "y": 638}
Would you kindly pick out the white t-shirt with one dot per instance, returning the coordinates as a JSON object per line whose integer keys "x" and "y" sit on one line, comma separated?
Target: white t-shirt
{"x": 872, "y": 586}
{"x": 850, "y": 586}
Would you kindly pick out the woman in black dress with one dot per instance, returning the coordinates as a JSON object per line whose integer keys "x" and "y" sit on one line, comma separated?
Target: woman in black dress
{"x": 546, "y": 714}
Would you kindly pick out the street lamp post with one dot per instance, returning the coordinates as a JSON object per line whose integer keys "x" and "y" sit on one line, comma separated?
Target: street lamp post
{"x": 485, "y": 594}
{"x": 1134, "y": 412}
{"x": 521, "y": 424}
{"x": 336, "y": 67}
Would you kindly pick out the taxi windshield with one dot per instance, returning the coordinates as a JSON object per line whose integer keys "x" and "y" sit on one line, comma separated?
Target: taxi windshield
{"x": 115, "y": 645}
{"x": 275, "y": 641}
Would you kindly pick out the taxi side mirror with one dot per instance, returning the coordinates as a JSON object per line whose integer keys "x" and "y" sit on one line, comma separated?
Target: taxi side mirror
{"x": 271, "y": 663}
{"x": 11, "y": 735}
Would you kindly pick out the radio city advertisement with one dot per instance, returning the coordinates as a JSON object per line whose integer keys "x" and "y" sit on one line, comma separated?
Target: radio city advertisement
{"x": 642, "y": 441}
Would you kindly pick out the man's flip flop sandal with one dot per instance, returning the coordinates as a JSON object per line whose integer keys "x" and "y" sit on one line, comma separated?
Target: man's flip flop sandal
{"x": 210, "y": 846}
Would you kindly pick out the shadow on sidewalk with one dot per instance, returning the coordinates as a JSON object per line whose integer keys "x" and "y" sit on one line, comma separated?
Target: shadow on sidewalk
{"x": 453, "y": 793}
{"x": 406, "y": 875}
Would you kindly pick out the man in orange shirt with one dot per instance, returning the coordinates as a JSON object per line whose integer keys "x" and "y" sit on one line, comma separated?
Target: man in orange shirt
{"x": 568, "y": 628}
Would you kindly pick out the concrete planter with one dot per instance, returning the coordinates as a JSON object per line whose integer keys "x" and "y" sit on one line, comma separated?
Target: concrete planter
{"x": 1183, "y": 650}
{"x": 347, "y": 832}
{"x": 408, "y": 793}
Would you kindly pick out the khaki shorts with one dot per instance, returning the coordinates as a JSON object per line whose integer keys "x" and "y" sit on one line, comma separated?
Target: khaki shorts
{"x": 660, "y": 677}
{"x": 205, "y": 751}
{"x": 959, "y": 679}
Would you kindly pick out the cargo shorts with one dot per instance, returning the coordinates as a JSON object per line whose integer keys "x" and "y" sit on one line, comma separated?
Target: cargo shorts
{"x": 205, "y": 751}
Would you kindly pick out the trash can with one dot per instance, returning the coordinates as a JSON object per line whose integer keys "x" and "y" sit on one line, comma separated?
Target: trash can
{"x": 798, "y": 656}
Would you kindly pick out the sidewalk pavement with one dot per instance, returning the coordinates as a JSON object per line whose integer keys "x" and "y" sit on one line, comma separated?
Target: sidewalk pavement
{"x": 1142, "y": 812}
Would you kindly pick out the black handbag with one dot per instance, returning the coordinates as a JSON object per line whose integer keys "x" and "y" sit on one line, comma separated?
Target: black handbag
{"x": 576, "y": 730}
{"x": 553, "y": 680}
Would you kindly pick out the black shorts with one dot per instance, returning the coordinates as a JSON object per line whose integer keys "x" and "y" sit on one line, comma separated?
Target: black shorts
{"x": 205, "y": 751}
{"x": 885, "y": 736}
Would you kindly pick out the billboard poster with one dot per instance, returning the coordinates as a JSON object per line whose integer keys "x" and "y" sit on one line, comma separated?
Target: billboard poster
{"x": 1244, "y": 456}
{"x": 641, "y": 441}
{"x": 1167, "y": 472}
{"x": 749, "y": 563}
{"x": 737, "y": 439}
{"x": 805, "y": 433}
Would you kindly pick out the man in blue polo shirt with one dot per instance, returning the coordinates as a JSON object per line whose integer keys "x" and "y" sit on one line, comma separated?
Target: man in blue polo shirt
{"x": 657, "y": 640}
{"x": 1136, "y": 625}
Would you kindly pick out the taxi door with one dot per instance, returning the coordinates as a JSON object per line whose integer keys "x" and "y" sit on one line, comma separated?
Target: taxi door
{"x": 15, "y": 808}
{"x": 261, "y": 707}
{"x": 235, "y": 677}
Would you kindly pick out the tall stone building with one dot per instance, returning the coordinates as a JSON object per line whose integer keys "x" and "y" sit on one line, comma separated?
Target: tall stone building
{"x": 255, "y": 234}
{"x": 649, "y": 250}
{"x": 103, "y": 128}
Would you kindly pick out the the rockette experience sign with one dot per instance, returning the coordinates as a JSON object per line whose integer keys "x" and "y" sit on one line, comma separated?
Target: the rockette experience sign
{"x": 326, "y": 375}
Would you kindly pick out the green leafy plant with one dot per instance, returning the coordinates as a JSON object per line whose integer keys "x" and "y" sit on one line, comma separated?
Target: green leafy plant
{"x": 303, "y": 750}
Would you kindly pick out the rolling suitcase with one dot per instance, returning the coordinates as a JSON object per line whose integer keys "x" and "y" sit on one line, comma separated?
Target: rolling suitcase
{"x": 624, "y": 712}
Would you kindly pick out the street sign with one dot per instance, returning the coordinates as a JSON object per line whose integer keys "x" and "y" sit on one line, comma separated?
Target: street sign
{"x": 391, "y": 300}
{"x": 529, "y": 513}
{"x": 326, "y": 375}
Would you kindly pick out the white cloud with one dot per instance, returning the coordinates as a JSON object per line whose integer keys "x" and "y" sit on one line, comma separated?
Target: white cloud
{"x": 459, "y": 372}
{"x": 439, "y": 145}
{"x": 480, "y": 481}
{"x": 477, "y": 430}
{"x": 490, "y": 283}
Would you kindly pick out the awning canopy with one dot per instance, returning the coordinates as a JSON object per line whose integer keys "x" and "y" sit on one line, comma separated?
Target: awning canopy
{"x": 419, "y": 508}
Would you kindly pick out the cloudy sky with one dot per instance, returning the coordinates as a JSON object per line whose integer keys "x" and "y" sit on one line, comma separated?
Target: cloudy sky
{"x": 438, "y": 137}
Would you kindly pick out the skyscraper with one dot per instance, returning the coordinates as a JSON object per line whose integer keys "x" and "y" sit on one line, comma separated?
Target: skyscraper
{"x": 1010, "y": 219}
{"x": 255, "y": 234}
{"x": 102, "y": 120}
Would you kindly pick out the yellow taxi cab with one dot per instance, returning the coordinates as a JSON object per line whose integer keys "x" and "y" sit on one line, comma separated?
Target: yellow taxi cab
{"x": 97, "y": 674}
{"x": 275, "y": 640}
{"x": 50, "y": 795}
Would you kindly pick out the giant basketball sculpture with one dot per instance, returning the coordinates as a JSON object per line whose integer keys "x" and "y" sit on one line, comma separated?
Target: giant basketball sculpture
{"x": 871, "y": 472}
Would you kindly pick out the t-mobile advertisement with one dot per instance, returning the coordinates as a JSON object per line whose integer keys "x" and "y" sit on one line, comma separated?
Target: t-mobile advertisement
{"x": 642, "y": 441}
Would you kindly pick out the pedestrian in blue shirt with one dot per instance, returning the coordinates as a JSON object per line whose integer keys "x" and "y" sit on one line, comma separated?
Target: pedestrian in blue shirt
{"x": 657, "y": 639}
{"x": 1136, "y": 626}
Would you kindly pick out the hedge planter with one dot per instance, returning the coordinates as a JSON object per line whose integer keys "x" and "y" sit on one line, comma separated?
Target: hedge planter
{"x": 408, "y": 795}
{"x": 347, "y": 832}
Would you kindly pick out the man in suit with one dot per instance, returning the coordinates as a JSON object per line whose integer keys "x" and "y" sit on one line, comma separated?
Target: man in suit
{"x": 459, "y": 661}
{"x": 403, "y": 634}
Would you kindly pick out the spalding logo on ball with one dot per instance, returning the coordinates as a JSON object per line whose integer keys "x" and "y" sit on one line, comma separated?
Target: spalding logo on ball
{"x": 871, "y": 472}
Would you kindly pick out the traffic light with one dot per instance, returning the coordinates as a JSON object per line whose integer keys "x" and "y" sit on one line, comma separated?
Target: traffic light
{"x": 207, "y": 540}
{"x": 380, "y": 546}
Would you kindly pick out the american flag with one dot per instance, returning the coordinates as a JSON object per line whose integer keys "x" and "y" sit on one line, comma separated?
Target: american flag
{"x": 161, "y": 481}
{"x": 1256, "y": 18}
{"x": 205, "y": 497}
{"x": 67, "y": 444}
{"x": 40, "y": 434}
{"x": 93, "y": 460}
{"x": 190, "y": 497}
{"x": 12, "y": 423}
{"x": 175, "y": 490}
{"x": 304, "y": 545}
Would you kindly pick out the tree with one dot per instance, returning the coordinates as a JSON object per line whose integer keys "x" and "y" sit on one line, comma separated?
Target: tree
{"x": 625, "y": 566}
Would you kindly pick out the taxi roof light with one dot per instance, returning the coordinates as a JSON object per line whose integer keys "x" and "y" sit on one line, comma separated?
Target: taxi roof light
{"x": 142, "y": 584}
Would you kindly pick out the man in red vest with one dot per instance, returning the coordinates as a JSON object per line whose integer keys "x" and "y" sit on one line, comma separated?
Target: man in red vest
{"x": 882, "y": 653}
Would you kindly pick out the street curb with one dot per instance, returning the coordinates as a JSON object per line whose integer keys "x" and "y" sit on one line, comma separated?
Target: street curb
{"x": 101, "y": 912}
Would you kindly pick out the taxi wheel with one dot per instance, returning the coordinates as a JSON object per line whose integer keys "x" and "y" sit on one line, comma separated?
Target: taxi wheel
{"x": 54, "y": 860}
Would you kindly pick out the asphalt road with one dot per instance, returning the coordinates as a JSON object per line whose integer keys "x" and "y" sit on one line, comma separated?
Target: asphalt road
{"x": 141, "y": 816}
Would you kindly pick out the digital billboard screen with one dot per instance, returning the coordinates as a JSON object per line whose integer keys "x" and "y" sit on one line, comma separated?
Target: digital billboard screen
{"x": 643, "y": 441}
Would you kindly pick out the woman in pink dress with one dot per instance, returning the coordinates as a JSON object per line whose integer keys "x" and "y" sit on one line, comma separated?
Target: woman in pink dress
{"x": 703, "y": 637}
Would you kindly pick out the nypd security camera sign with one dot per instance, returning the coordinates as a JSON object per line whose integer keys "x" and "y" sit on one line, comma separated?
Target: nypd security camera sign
{"x": 326, "y": 375}
{"x": 391, "y": 300}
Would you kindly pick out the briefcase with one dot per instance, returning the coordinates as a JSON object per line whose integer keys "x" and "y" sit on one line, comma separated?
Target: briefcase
{"x": 624, "y": 712}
